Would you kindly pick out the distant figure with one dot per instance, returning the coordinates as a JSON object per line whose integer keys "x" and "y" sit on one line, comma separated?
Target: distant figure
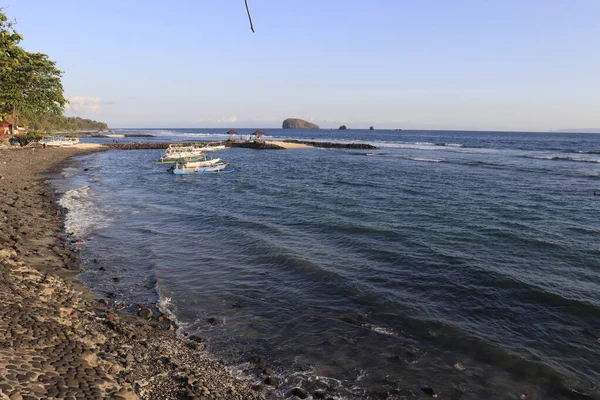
{"x": 44, "y": 146}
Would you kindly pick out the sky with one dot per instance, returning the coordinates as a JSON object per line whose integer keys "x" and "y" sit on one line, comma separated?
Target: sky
{"x": 527, "y": 65}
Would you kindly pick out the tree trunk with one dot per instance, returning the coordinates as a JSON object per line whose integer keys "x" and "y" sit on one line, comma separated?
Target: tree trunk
{"x": 15, "y": 120}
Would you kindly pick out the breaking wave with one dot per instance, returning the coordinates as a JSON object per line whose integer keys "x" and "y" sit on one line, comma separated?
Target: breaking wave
{"x": 83, "y": 216}
{"x": 405, "y": 157}
{"x": 565, "y": 158}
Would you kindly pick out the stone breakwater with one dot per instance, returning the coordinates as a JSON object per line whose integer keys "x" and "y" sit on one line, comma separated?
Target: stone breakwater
{"x": 258, "y": 145}
{"x": 332, "y": 145}
{"x": 59, "y": 341}
{"x": 163, "y": 145}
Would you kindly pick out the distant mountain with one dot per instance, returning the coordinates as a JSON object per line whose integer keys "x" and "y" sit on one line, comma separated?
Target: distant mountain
{"x": 297, "y": 123}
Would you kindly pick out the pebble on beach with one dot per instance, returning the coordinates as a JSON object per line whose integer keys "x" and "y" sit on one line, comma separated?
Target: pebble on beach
{"x": 59, "y": 341}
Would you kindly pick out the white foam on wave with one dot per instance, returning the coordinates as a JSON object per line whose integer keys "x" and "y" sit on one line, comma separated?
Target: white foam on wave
{"x": 434, "y": 160}
{"x": 70, "y": 172}
{"x": 380, "y": 329}
{"x": 166, "y": 306}
{"x": 566, "y": 158}
{"x": 313, "y": 376}
{"x": 167, "y": 132}
{"x": 405, "y": 157}
{"x": 83, "y": 216}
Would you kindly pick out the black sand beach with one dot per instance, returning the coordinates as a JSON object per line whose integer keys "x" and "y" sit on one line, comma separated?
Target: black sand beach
{"x": 57, "y": 340}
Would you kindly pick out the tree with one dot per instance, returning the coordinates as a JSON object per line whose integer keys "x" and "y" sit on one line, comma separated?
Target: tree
{"x": 9, "y": 44}
{"x": 29, "y": 82}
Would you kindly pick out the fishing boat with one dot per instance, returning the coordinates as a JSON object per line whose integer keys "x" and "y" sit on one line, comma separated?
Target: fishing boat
{"x": 207, "y": 162}
{"x": 59, "y": 141}
{"x": 194, "y": 147}
{"x": 213, "y": 147}
{"x": 181, "y": 152}
{"x": 201, "y": 157}
{"x": 181, "y": 169}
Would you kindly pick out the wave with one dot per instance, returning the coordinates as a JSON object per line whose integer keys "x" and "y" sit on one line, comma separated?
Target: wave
{"x": 83, "y": 216}
{"x": 565, "y": 158}
{"x": 405, "y": 157}
{"x": 434, "y": 160}
{"x": 450, "y": 144}
{"x": 177, "y": 133}
{"x": 587, "y": 152}
{"x": 380, "y": 329}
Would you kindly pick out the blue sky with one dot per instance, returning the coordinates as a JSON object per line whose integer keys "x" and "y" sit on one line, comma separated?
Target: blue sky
{"x": 529, "y": 65}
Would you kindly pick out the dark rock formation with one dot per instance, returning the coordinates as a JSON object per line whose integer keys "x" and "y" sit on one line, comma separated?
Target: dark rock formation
{"x": 258, "y": 145}
{"x": 371, "y": 128}
{"x": 298, "y": 392}
{"x": 343, "y": 127}
{"x": 145, "y": 313}
{"x": 271, "y": 381}
{"x": 296, "y": 123}
{"x": 329, "y": 145}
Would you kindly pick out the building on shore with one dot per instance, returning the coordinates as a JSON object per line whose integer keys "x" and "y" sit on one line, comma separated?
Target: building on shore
{"x": 6, "y": 128}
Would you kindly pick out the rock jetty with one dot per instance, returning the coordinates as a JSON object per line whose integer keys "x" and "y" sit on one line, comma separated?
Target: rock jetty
{"x": 332, "y": 145}
{"x": 259, "y": 145}
{"x": 297, "y": 123}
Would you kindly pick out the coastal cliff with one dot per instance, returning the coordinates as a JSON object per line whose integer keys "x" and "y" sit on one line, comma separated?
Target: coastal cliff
{"x": 296, "y": 123}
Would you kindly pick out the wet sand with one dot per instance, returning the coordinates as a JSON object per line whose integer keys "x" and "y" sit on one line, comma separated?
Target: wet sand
{"x": 57, "y": 340}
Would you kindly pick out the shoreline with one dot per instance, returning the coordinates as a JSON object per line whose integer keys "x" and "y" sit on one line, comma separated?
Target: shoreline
{"x": 57, "y": 339}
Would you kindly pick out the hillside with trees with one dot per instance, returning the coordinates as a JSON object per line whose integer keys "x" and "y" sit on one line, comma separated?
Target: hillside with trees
{"x": 50, "y": 122}
{"x": 31, "y": 91}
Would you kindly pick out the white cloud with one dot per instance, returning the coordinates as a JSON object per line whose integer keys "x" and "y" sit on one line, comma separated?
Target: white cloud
{"x": 231, "y": 119}
{"x": 82, "y": 104}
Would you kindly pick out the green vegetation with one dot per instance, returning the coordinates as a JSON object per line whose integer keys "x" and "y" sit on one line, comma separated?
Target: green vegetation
{"x": 31, "y": 91}
{"x": 31, "y": 136}
{"x": 50, "y": 122}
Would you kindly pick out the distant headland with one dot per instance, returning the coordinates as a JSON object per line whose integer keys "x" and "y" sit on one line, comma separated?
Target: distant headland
{"x": 297, "y": 123}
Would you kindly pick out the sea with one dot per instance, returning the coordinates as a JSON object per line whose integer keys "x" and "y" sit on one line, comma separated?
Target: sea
{"x": 464, "y": 265}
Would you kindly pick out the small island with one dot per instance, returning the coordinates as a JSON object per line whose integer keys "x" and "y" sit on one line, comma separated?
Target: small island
{"x": 297, "y": 123}
{"x": 343, "y": 127}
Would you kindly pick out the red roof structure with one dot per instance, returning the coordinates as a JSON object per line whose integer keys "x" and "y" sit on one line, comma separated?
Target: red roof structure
{"x": 5, "y": 127}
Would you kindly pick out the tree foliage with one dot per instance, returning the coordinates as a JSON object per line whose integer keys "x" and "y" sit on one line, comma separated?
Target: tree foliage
{"x": 29, "y": 82}
{"x": 51, "y": 122}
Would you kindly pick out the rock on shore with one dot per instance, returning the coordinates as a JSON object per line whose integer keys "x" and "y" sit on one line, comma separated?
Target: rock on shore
{"x": 59, "y": 341}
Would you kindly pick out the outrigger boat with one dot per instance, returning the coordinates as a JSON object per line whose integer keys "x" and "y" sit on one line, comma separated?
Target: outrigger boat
{"x": 213, "y": 147}
{"x": 59, "y": 141}
{"x": 206, "y": 163}
{"x": 184, "y": 160}
{"x": 181, "y": 169}
{"x": 194, "y": 147}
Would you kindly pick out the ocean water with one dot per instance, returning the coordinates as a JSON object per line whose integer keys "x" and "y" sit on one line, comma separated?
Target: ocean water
{"x": 467, "y": 262}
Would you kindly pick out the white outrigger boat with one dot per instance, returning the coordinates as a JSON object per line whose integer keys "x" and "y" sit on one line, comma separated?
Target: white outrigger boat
{"x": 59, "y": 141}
{"x": 194, "y": 147}
{"x": 213, "y": 147}
{"x": 181, "y": 169}
{"x": 201, "y": 157}
{"x": 207, "y": 162}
